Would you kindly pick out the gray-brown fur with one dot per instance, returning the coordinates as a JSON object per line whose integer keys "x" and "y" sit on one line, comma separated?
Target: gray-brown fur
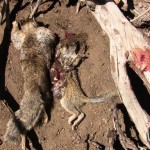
{"x": 36, "y": 46}
{"x": 72, "y": 97}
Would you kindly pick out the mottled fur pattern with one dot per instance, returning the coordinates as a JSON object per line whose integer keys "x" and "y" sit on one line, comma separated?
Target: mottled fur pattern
{"x": 73, "y": 99}
{"x": 69, "y": 52}
{"x": 36, "y": 48}
{"x": 66, "y": 83}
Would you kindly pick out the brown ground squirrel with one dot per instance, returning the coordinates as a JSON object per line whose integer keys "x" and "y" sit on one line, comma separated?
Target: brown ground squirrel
{"x": 65, "y": 83}
{"x": 36, "y": 45}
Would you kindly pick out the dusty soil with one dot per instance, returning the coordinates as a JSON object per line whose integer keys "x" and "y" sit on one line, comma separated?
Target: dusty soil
{"x": 94, "y": 75}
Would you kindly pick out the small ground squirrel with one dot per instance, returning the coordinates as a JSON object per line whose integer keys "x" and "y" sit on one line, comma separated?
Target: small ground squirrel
{"x": 36, "y": 47}
{"x": 69, "y": 53}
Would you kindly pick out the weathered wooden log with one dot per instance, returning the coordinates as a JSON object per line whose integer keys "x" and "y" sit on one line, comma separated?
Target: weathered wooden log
{"x": 127, "y": 45}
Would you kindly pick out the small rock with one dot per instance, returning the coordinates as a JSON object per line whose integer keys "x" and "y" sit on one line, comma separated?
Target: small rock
{"x": 145, "y": 5}
{"x": 56, "y": 11}
{"x": 140, "y": 4}
{"x": 41, "y": 16}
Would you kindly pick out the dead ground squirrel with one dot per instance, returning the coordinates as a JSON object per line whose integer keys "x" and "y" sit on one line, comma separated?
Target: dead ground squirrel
{"x": 66, "y": 85}
{"x": 36, "y": 47}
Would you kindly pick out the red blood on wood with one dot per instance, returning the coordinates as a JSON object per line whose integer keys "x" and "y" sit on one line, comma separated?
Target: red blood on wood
{"x": 68, "y": 35}
{"x": 141, "y": 59}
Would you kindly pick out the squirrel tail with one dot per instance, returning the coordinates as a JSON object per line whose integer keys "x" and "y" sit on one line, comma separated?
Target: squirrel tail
{"x": 30, "y": 112}
{"x": 102, "y": 98}
{"x": 13, "y": 133}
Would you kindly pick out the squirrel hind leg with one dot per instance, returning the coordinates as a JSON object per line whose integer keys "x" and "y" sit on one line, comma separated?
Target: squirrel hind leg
{"x": 78, "y": 121}
{"x": 75, "y": 113}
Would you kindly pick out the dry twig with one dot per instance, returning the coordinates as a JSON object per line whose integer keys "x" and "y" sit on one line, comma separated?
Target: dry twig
{"x": 4, "y": 11}
{"x": 7, "y": 106}
{"x": 89, "y": 140}
{"x": 140, "y": 15}
{"x": 124, "y": 141}
{"x": 111, "y": 135}
{"x": 35, "y": 8}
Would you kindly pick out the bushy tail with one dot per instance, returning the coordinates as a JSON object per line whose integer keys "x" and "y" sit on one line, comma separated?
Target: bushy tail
{"x": 13, "y": 132}
{"x": 102, "y": 98}
{"x": 25, "y": 118}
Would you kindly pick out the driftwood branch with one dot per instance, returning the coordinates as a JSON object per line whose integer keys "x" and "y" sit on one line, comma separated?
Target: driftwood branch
{"x": 127, "y": 44}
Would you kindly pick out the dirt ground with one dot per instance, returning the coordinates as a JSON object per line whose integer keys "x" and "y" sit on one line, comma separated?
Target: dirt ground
{"x": 94, "y": 75}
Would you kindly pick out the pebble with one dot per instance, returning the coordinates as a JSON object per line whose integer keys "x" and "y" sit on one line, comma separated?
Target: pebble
{"x": 145, "y": 5}
{"x": 41, "y": 16}
{"x": 140, "y": 4}
{"x": 55, "y": 10}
